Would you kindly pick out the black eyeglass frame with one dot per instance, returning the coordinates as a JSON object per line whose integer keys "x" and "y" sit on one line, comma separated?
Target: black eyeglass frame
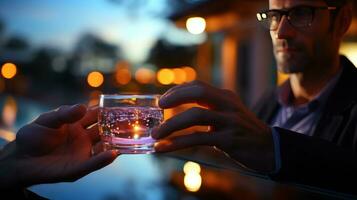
{"x": 262, "y": 19}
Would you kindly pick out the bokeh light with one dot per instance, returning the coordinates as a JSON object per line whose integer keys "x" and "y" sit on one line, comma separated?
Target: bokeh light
{"x": 94, "y": 98}
{"x": 123, "y": 76}
{"x": 145, "y": 76}
{"x": 349, "y": 49}
{"x": 190, "y": 167}
{"x": 196, "y": 25}
{"x": 281, "y": 78}
{"x": 193, "y": 182}
{"x": 9, "y": 112}
{"x": 166, "y": 76}
{"x": 95, "y": 79}
{"x": 8, "y": 70}
{"x": 180, "y": 76}
{"x": 192, "y": 179}
{"x": 190, "y": 74}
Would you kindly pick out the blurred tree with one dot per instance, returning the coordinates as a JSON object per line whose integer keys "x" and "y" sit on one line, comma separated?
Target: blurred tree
{"x": 16, "y": 43}
{"x": 90, "y": 43}
{"x": 167, "y": 55}
{"x": 39, "y": 68}
{"x": 47, "y": 85}
{"x": 93, "y": 53}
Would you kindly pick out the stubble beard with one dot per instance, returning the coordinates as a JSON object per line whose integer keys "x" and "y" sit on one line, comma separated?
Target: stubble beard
{"x": 291, "y": 63}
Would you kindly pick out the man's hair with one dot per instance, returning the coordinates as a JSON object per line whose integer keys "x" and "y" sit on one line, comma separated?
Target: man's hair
{"x": 337, "y": 3}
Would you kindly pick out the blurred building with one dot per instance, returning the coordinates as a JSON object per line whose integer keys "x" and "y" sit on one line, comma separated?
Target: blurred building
{"x": 237, "y": 54}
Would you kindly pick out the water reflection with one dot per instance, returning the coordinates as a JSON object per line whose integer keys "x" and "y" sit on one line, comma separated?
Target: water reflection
{"x": 128, "y": 177}
{"x": 8, "y": 118}
{"x": 192, "y": 179}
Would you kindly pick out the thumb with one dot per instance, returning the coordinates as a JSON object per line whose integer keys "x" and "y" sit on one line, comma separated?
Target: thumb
{"x": 62, "y": 115}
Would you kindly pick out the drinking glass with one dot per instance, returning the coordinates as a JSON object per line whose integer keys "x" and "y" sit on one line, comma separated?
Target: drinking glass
{"x": 127, "y": 121}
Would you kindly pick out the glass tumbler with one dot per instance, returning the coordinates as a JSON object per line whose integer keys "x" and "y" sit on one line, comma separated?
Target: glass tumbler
{"x": 127, "y": 121}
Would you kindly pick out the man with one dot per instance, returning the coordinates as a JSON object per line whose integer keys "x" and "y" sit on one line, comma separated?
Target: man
{"x": 55, "y": 147}
{"x": 309, "y": 132}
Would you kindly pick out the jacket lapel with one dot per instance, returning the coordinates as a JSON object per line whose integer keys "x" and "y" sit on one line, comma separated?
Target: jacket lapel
{"x": 340, "y": 100}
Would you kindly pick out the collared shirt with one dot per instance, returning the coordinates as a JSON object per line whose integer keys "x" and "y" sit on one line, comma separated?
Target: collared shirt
{"x": 303, "y": 118}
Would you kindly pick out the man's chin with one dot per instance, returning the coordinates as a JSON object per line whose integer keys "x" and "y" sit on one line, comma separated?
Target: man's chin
{"x": 289, "y": 63}
{"x": 289, "y": 67}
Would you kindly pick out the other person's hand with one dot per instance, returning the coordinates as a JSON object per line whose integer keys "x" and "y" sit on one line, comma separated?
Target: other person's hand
{"x": 54, "y": 147}
{"x": 234, "y": 129}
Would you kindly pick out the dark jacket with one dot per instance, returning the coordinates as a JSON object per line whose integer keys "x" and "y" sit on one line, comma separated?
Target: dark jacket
{"x": 328, "y": 158}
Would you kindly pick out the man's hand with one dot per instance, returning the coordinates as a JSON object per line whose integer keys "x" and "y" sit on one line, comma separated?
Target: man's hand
{"x": 233, "y": 128}
{"x": 55, "y": 147}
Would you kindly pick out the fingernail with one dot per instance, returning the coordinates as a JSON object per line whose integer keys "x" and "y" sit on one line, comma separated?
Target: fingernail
{"x": 161, "y": 146}
{"x": 158, "y": 146}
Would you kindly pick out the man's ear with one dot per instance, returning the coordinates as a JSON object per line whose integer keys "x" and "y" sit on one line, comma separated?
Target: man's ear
{"x": 344, "y": 20}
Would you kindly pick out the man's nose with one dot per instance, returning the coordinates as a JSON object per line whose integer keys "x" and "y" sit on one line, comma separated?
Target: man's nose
{"x": 285, "y": 30}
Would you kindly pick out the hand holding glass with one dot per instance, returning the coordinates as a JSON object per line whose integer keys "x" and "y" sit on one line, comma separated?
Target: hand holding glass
{"x": 127, "y": 121}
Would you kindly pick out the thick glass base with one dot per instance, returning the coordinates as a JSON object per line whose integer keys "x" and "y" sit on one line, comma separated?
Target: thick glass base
{"x": 130, "y": 149}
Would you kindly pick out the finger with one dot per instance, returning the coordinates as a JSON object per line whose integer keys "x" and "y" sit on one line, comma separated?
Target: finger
{"x": 62, "y": 115}
{"x": 200, "y": 93}
{"x": 93, "y": 134}
{"x": 90, "y": 117}
{"x": 96, "y": 162}
{"x": 176, "y": 88}
{"x": 192, "y": 117}
{"x": 36, "y": 139}
{"x": 185, "y": 141}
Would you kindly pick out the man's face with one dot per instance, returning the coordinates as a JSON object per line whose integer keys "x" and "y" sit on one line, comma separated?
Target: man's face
{"x": 298, "y": 49}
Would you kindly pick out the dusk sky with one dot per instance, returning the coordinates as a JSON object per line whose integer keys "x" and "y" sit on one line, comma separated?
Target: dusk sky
{"x": 59, "y": 23}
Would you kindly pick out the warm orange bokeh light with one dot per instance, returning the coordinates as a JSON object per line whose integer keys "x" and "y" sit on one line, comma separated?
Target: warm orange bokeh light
{"x": 166, "y": 76}
{"x": 8, "y": 70}
{"x": 95, "y": 79}
{"x": 123, "y": 76}
{"x": 94, "y": 98}
{"x": 9, "y": 112}
{"x": 145, "y": 76}
{"x": 122, "y": 64}
{"x": 180, "y": 76}
{"x": 190, "y": 74}
{"x": 281, "y": 78}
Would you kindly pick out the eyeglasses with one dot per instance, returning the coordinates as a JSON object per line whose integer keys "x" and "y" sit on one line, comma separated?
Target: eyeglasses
{"x": 298, "y": 17}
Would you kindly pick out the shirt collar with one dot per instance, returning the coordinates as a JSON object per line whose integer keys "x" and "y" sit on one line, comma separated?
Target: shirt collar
{"x": 285, "y": 95}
